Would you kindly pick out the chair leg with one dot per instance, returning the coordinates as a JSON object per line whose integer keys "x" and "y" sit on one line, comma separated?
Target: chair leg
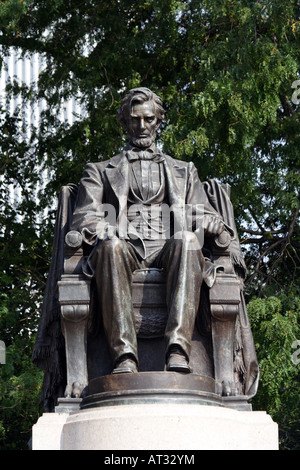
{"x": 74, "y": 298}
{"x": 224, "y": 304}
{"x": 223, "y": 340}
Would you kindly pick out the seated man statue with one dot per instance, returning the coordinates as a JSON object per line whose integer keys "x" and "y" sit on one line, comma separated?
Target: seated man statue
{"x": 143, "y": 209}
{"x": 120, "y": 212}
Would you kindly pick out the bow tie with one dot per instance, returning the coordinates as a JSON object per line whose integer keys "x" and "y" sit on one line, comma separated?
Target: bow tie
{"x": 147, "y": 154}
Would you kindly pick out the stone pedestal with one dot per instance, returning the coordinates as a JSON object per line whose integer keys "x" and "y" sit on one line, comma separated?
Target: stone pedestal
{"x": 156, "y": 427}
{"x": 47, "y": 432}
{"x": 155, "y": 411}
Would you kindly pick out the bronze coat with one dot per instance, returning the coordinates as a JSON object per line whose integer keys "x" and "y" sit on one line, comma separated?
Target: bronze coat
{"x": 107, "y": 182}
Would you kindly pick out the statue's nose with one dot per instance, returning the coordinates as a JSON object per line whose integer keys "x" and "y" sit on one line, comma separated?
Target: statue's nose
{"x": 142, "y": 125}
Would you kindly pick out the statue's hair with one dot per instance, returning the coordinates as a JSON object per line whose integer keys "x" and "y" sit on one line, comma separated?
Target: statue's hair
{"x": 139, "y": 95}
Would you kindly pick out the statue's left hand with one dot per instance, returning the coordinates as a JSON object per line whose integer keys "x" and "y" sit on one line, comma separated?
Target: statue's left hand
{"x": 108, "y": 232}
{"x": 212, "y": 225}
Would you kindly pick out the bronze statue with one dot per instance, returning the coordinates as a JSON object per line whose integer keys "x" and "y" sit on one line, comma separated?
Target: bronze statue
{"x": 143, "y": 176}
{"x": 120, "y": 212}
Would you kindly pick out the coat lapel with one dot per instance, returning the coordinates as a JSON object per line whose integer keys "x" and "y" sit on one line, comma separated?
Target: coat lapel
{"x": 176, "y": 179}
{"x": 118, "y": 175}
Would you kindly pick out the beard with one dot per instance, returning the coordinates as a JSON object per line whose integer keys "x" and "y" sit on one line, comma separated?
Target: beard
{"x": 143, "y": 142}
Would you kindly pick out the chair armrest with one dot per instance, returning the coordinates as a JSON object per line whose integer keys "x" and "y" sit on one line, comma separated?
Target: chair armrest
{"x": 73, "y": 239}
{"x": 73, "y": 253}
{"x": 221, "y": 252}
{"x": 222, "y": 241}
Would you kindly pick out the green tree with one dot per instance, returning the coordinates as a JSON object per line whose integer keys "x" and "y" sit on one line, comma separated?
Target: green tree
{"x": 225, "y": 70}
{"x": 23, "y": 257}
{"x": 275, "y": 325}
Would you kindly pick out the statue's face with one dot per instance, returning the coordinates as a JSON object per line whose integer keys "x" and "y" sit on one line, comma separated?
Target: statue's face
{"x": 142, "y": 124}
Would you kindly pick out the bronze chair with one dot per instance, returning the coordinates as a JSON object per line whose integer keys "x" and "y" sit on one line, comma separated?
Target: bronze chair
{"x": 212, "y": 352}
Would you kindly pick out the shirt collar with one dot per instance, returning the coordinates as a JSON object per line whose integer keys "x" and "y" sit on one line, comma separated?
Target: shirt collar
{"x": 150, "y": 153}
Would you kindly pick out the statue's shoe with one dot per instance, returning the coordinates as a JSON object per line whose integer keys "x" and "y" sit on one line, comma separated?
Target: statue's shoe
{"x": 125, "y": 367}
{"x": 178, "y": 363}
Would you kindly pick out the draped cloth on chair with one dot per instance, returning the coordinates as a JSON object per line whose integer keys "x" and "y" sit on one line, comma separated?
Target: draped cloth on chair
{"x": 245, "y": 355}
{"x": 49, "y": 349}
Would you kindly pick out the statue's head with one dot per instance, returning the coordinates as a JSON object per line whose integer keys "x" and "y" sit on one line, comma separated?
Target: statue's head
{"x": 141, "y": 114}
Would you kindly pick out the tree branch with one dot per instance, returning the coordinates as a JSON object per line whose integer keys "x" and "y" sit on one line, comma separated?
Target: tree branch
{"x": 285, "y": 241}
{"x": 264, "y": 232}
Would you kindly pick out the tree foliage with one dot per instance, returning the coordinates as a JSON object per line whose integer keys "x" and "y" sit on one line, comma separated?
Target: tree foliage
{"x": 275, "y": 325}
{"x": 225, "y": 70}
